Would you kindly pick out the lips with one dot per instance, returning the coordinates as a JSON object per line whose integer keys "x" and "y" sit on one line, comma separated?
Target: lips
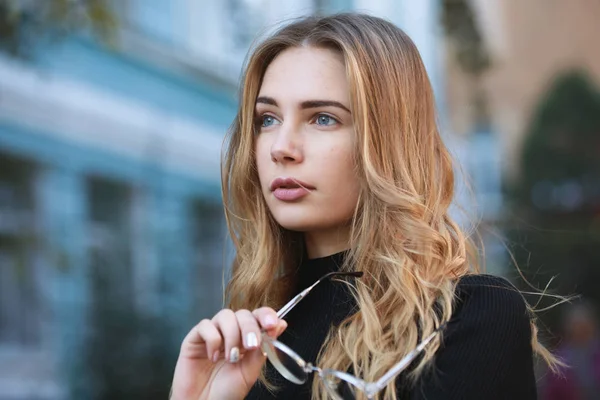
{"x": 290, "y": 183}
{"x": 290, "y": 189}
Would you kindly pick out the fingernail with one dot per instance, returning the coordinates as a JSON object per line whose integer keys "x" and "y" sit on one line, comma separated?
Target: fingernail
{"x": 251, "y": 340}
{"x": 215, "y": 356}
{"x": 234, "y": 355}
{"x": 270, "y": 321}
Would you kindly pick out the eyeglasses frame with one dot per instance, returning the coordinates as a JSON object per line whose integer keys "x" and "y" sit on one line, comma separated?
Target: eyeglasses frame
{"x": 370, "y": 389}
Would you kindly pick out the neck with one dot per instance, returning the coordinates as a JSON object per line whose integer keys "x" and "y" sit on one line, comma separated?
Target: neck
{"x": 327, "y": 242}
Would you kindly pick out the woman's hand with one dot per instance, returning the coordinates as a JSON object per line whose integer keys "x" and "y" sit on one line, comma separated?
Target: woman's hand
{"x": 220, "y": 358}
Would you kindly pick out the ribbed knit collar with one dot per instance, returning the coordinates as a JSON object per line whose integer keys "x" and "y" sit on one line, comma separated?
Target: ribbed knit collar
{"x": 313, "y": 269}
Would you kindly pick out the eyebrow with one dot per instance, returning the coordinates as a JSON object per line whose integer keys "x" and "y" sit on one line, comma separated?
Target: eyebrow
{"x": 306, "y": 104}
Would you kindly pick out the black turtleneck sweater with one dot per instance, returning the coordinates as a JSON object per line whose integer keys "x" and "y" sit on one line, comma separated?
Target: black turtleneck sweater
{"x": 485, "y": 354}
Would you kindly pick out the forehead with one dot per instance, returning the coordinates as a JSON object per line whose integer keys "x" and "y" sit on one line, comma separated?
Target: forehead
{"x": 302, "y": 73}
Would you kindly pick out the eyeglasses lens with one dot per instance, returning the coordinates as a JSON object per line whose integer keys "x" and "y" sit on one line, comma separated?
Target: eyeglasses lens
{"x": 283, "y": 362}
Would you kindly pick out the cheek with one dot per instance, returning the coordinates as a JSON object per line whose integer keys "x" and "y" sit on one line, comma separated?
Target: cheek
{"x": 339, "y": 168}
{"x": 341, "y": 160}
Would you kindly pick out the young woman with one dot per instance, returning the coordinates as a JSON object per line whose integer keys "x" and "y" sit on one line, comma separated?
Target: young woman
{"x": 335, "y": 165}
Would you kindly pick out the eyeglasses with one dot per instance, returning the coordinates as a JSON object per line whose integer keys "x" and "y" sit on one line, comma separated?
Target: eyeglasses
{"x": 295, "y": 369}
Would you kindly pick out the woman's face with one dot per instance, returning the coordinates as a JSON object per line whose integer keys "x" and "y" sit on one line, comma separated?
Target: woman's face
{"x": 305, "y": 145}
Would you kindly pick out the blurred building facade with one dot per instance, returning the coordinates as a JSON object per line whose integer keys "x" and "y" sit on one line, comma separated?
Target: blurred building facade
{"x": 530, "y": 43}
{"x": 109, "y": 170}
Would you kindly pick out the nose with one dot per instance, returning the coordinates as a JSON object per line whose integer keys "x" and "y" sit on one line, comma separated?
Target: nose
{"x": 286, "y": 147}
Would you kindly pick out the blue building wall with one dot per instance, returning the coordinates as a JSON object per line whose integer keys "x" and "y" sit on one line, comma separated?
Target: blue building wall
{"x": 83, "y": 59}
{"x": 64, "y": 167}
{"x": 336, "y": 6}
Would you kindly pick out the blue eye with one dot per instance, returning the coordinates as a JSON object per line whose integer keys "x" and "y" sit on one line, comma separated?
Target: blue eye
{"x": 267, "y": 121}
{"x": 325, "y": 120}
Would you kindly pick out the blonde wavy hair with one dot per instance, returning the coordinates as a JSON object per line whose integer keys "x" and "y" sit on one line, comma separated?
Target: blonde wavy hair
{"x": 402, "y": 237}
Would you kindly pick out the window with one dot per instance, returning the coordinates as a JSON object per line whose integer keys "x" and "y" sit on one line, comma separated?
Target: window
{"x": 245, "y": 19}
{"x": 109, "y": 232}
{"x": 20, "y": 314}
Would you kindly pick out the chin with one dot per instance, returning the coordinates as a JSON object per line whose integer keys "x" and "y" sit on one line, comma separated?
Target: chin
{"x": 294, "y": 219}
{"x": 294, "y": 224}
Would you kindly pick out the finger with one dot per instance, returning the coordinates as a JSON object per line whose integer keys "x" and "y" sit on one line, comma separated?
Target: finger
{"x": 281, "y": 327}
{"x": 227, "y": 323}
{"x": 267, "y": 317}
{"x": 249, "y": 329}
{"x": 203, "y": 341}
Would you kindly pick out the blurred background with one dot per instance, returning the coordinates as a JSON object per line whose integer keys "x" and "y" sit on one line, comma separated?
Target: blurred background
{"x": 112, "y": 114}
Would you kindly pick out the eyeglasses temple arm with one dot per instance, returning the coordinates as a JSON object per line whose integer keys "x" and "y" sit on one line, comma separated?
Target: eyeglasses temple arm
{"x": 292, "y": 303}
{"x": 402, "y": 364}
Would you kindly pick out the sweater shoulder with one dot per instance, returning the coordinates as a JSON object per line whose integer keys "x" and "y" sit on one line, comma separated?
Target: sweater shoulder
{"x": 483, "y": 285}
{"x": 493, "y": 300}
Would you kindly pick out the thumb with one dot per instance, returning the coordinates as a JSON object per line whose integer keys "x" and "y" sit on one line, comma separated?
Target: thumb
{"x": 281, "y": 327}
